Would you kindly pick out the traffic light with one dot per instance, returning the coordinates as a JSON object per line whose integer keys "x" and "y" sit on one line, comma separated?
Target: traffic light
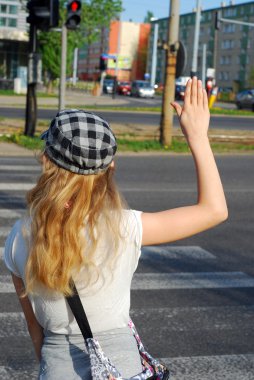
{"x": 44, "y": 14}
{"x": 103, "y": 63}
{"x": 73, "y": 14}
{"x": 217, "y": 20}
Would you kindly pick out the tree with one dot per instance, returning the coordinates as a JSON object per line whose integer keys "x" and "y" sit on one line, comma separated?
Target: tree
{"x": 148, "y": 17}
{"x": 251, "y": 78}
{"x": 95, "y": 15}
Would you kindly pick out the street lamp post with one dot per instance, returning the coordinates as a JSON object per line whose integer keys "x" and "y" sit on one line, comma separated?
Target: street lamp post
{"x": 154, "y": 56}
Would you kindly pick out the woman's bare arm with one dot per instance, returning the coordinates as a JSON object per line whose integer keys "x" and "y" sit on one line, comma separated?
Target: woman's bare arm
{"x": 34, "y": 328}
{"x": 211, "y": 208}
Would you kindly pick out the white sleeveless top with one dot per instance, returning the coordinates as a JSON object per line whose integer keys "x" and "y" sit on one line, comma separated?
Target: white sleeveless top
{"x": 107, "y": 302}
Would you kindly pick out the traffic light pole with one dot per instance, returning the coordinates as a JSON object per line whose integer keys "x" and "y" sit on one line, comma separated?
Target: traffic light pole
{"x": 63, "y": 69}
{"x": 167, "y": 111}
{"x": 31, "y": 102}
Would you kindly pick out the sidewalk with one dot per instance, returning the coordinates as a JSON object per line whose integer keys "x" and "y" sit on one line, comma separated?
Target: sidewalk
{"x": 80, "y": 98}
{"x": 14, "y": 150}
{"x": 72, "y": 98}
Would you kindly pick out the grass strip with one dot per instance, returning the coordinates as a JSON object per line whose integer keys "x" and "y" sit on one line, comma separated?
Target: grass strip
{"x": 126, "y": 144}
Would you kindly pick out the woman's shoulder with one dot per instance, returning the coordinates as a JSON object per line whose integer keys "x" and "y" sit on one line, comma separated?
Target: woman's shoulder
{"x": 15, "y": 250}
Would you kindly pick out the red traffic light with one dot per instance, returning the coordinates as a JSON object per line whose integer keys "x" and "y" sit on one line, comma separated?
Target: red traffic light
{"x": 75, "y": 6}
{"x": 73, "y": 14}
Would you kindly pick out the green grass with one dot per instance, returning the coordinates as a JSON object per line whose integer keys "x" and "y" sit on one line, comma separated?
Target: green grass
{"x": 39, "y": 94}
{"x": 129, "y": 144}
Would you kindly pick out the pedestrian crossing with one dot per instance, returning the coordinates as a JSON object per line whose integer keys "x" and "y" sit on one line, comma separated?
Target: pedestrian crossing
{"x": 201, "y": 333}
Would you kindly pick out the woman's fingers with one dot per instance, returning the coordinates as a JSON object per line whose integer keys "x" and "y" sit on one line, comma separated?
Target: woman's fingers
{"x": 194, "y": 90}
{"x": 200, "y": 93}
{"x": 177, "y": 108}
{"x": 205, "y": 99}
{"x": 187, "y": 92}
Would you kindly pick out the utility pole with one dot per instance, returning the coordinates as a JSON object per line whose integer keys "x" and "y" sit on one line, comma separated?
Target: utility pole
{"x": 154, "y": 57}
{"x": 63, "y": 69}
{"x": 167, "y": 112}
{"x": 196, "y": 41}
{"x": 31, "y": 102}
{"x": 204, "y": 64}
{"x": 75, "y": 66}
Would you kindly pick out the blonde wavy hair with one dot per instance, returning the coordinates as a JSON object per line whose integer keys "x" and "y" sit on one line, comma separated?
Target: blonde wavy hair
{"x": 62, "y": 206}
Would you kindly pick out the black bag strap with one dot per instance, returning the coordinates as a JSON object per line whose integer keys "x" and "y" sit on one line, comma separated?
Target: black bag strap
{"x": 79, "y": 312}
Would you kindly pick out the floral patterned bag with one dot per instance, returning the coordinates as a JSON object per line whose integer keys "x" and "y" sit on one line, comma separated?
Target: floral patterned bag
{"x": 101, "y": 366}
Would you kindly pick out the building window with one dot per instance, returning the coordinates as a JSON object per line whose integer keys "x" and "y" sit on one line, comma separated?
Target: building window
{"x": 2, "y": 21}
{"x": 13, "y": 9}
{"x": 12, "y": 22}
{"x": 229, "y": 28}
{"x": 227, "y": 44}
{"x": 225, "y": 60}
{"x": 3, "y": 8}
{"x": 230, "y": 12}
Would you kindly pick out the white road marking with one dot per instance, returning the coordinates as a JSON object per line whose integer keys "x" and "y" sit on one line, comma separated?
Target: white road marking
{"x": 176, "y": 252}
{"x": 200, "y": 280}
{"x": 4, "y": 231}
{"x": 17, "y": 168}
{"x": 9, "y": 214}
{"x": 219, "y": 367}
{"x": 157, "y": 281}
{"x": 16, "y": 186}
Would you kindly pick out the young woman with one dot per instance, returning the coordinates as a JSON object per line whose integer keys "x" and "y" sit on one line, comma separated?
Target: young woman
{"x": 79, "y": 227}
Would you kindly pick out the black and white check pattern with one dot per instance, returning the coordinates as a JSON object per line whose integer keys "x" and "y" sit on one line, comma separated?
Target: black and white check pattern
{"x": 80, "y": 141}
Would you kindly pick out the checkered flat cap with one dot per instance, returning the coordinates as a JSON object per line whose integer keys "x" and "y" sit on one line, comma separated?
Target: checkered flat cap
{"x": 80, "y": 141}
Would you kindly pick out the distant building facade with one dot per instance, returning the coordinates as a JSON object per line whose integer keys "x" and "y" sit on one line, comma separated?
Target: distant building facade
{"x": 126, "y": 43}
{"x": 13, "y": 39}
{"x": 229, "y": 50}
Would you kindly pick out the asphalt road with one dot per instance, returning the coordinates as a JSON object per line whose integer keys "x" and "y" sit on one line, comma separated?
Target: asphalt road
{"x": 193, "y": 300}
{"x": 148, "y": 119}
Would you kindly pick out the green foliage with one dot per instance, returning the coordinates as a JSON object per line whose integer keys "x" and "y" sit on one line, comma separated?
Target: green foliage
{"x": 96, "y": 14}
{"x": 251, "y": 78}
{"x": 148, "y": 17}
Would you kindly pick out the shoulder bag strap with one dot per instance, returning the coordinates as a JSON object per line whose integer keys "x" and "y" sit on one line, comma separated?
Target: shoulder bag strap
{"x": 79, "y": 312}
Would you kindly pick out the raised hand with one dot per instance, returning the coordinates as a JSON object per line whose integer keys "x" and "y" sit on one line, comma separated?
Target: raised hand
{"x": 194, "y": 116}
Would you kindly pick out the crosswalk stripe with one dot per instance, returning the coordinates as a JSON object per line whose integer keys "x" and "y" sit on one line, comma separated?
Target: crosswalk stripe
{"x": 194, "y": 318}
{"x": 177, "y": 252}
{"x": 8, "y": 320}
{"x": 169, "y": 253}
{"x": 9, "y": 214}
{"x": 186, "y": 280}
{"x": 4, "y": 231}
{"x": 17, "y": 168}
{"x": 158, "y": 281}
{"x": 219, "y": 367}
{"x": 16, "y": 186}
{"x": 170, "y": 319}
{"x": 27, "y": 186}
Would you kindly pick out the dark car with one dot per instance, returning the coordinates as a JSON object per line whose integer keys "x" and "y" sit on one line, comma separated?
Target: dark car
{"x": 179, "y": 91}
{"x": 245, "y": 99}
{"x": 124, "y": 88}
{"x": 108, "y": 85}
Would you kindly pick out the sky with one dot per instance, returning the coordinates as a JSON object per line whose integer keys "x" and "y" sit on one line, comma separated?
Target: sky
{"x": 137, "y": 9}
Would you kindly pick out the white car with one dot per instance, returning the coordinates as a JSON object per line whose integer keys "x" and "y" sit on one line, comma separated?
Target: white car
{"x": 142, "y": 89}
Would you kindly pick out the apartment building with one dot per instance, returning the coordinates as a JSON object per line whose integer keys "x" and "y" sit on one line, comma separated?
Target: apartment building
{"x": 13, "y": 38}
{"x": 229, "y": 50}
{"x": 124, "y": 42}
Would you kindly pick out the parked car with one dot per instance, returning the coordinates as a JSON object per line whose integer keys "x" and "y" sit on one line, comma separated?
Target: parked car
{"x": 179, "y": 91}
{"x": 124, "y": 88}
{"x": 142, "y": 89}
{"x": 245, "y": 99}
{"x": 108, "y": 85}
